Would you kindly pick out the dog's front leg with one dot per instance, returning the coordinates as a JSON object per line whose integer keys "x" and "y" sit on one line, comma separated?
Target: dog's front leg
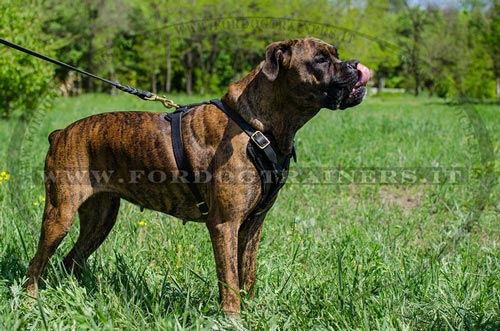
{"x": 224, "y": 238}
{"x": 248, "y": 244}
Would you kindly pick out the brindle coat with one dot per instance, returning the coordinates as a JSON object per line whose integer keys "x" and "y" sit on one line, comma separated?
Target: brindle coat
{"x": 296, "y": 80}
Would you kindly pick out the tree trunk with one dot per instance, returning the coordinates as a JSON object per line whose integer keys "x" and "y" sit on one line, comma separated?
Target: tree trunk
{"x": 416, "y": 60}
{"x": 380, "y": 84}
{"x": 189, "y": 72}
{"x": 212, "y": 59}
{"x": 90, "y": 56}
{"x": 203, "y": 69}
{"x": 112, "y": 91}
{"x": 382, "y": 75}
{"x": 168, "y": 73}
{"x": 417, "y": 84}
{"x": 94, "y": 13}
{"x": 111, "y": 73}
{"x": 153, "y": 81}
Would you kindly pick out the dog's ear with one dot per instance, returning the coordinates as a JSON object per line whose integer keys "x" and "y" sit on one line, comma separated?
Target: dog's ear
{"x": 277, "y": 55}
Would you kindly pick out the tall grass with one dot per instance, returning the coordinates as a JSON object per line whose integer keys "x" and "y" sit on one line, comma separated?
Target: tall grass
{"x": 352, "y": 255}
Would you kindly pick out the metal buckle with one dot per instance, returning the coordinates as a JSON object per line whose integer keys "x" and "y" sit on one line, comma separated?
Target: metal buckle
{"x": 202, "y": 206}
{"x": 261, "y": 140}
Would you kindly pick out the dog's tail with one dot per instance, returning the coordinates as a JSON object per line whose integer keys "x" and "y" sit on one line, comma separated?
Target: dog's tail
{"x": 53, "y": 135}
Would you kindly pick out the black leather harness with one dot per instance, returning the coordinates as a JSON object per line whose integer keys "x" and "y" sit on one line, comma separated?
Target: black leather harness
{"x": 271, "y": 165}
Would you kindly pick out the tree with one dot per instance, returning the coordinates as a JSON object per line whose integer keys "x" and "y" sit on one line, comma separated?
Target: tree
{"x": 24, "y": 79}
{"x": 86, "y": 31}
{"x": 444, "y": 53}
{"x": 492, "y": 40}
{"x": 199, "y": 46}
{"x": 413, "y": 22}
{"x": 379, "y": 49}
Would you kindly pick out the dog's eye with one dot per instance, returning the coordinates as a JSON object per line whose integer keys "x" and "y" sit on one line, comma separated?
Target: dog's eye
{"x": 321, "y": 59}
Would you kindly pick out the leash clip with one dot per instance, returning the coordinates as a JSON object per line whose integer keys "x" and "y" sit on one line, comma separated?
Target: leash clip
{"x": 261, "y": 140}
{"x": 164, "y": 101}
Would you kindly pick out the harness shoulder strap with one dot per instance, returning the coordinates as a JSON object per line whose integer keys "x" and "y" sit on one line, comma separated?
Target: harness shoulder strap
{"x": 262, "y": 152}
{"x": 257, "y": 136}
{"x": 273, "y": 173}
{"x": 182, "y": 160}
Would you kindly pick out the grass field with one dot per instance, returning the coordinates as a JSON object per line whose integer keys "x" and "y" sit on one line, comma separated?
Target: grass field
{"x": 407, "y": 239}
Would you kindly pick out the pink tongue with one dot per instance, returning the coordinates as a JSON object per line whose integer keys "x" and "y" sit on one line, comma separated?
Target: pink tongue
{"x": 364, "y": 75}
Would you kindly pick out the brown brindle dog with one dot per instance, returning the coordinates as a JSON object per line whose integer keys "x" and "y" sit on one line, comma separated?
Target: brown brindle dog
{"x": 134, "y": 149}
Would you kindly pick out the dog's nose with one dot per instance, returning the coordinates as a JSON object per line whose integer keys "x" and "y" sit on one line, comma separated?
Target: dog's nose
{"x": 353, "y": 64}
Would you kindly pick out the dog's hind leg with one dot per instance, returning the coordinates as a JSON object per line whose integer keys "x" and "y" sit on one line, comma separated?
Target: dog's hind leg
{"x": 57, "y": 220}
{"x": 97, "y": 218}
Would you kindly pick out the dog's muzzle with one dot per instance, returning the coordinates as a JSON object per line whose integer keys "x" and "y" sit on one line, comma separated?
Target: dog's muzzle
{"x": 353, "y": 88}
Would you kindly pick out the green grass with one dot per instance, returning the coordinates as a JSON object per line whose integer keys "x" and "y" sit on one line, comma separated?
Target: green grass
{"x": 334, "y": 256}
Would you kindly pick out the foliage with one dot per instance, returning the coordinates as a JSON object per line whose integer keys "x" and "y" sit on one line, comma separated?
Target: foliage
{"x": 200, "y": 46}
{"x": 491, "y": 33}
{"x": 24, "y": 80}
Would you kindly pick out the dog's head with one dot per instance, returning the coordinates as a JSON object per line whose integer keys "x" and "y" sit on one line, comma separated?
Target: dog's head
{"x": 310, "y": 68}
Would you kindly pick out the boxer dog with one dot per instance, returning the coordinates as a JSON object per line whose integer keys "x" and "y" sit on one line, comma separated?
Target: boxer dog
{"x": 296, "y": 79}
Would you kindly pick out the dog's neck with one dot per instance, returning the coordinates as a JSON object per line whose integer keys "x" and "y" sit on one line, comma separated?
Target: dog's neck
{"x": 265, "y": 106}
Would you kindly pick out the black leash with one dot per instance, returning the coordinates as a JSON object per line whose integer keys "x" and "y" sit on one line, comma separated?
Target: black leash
{"x": 145, "y": 95}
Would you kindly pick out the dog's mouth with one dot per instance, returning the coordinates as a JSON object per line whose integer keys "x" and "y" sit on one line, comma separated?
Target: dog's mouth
{"x": 358, "y": 91}
{"x": 352, "y": 91}
{"x": 363, "y": 77}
